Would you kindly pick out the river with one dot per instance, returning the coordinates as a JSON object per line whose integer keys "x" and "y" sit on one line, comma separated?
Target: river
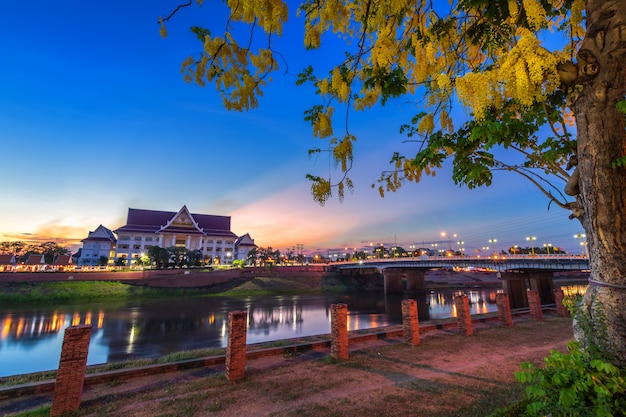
{"x": 31, "y": 336}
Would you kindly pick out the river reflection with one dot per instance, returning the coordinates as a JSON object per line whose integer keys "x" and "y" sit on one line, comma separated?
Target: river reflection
{"x": 31, "y": 338}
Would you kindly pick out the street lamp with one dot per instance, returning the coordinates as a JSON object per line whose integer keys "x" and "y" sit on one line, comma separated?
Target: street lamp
{"x": 493, "y": 241}
{"x": 461, "y": 248}
{"x": 531, "y": 239}
{"x": 547, "y": 246}
{"x": 583, "y": 245}
{"x": 434, "y": 245}
{"x": 449, "y": 236}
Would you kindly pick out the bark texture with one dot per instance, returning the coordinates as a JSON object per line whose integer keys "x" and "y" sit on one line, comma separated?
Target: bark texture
{"x": 601, "y": 141}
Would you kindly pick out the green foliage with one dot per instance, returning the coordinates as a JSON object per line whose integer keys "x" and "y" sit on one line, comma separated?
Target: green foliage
{"x": 574, "y": 384}
{"x": 238, "y": 263}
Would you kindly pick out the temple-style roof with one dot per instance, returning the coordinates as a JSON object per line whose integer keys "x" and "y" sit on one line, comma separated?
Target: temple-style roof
{"x": 101, "y": 234}
{"x": 183, "y": 222}
{"x": 245, "y": 240}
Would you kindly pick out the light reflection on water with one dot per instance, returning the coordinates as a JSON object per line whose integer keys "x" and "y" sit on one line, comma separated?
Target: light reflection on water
{"x": 30, "y": 339}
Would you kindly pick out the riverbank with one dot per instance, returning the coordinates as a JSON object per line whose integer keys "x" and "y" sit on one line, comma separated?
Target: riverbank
{"x": 18, "y": 288}
{"x": 448, "y": 374}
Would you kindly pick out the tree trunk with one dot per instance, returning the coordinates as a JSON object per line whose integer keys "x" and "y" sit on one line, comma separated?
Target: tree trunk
{"x": 601, "y": 139}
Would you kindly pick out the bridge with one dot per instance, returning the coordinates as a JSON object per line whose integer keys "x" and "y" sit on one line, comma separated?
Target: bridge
{"x": 517, "y": 273}
{"x": 496, "y": 263}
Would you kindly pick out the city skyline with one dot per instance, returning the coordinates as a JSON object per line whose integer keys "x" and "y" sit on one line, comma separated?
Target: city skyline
{"x": 95, "y": 118}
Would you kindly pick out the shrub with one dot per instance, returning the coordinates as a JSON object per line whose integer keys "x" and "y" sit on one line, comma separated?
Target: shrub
{"x": 574, "y": 384}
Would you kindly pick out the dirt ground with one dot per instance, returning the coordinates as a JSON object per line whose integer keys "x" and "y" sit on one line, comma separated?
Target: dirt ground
{"x": 448, "y": 374}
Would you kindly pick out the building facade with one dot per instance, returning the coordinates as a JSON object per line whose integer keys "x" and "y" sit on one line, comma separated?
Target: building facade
{"x": 243, "y": 245}
{"x": 97, "y": 246}
{"x": 209, "y": 234}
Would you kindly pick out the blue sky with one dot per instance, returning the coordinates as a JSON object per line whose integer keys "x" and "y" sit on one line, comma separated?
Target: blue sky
{"x": 95, "y": 118}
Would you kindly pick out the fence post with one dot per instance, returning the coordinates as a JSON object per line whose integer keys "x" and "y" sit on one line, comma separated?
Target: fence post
{"x": 339, "y": 331}
{"x": 559, "y": 296}
{"x": 236, "y": 348}
{"x": 463, "y": 316}
{"x": 410, "y": 322}
{"x": 68, "y": 388}
{"x": 504, "y": 309}
{"x": 534, "y": 303}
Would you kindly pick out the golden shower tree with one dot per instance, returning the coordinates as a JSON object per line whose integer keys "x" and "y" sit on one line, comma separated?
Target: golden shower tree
{"x": 543, "y": 82}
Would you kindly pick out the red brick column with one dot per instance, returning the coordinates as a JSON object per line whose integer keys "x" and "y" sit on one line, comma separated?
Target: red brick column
{"x": 534, "y": 303}
{"x": 410, "y": 323}
{"x": 463, "y": 316}
{"x": 339, "y": 331}
{"x": 68, "y": 388}
{"x": 559, "y": 296}
{"x": 504, "y": 309}
{"x": 236, "y": 348}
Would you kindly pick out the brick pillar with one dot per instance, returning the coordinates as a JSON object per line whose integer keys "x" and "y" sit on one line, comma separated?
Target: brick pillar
{"x": 410, "y": 323}
{"x": 236, "y": 348}
{"x": 463, "y": 316}
{"x": 504, "y": 309}
{"x": 68, "y": 388}
{"x": 534, "y": 303}
{"x": 559, "y": 295}
{"x": 339, "y": 331}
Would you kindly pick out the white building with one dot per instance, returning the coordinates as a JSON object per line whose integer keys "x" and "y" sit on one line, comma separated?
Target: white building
{"x": 98, "y": 245}
{"x": 243, "y": 245}
{"x": 209, "y": 234}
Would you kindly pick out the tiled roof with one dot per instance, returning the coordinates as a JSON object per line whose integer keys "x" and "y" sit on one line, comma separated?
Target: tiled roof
{"x": 63, "y": 260}
{"x": 151, "y": 221}
{"x": 7, "y": 260}
{"x": 35, "y": 259}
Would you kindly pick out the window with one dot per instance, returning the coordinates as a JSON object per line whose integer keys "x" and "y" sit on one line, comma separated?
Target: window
{"x": 209, "y": 248}
{"x": 124, "y": 237}
{"x": 123, "y": 246}
{"x": 229, "y": 242}
{"x": 219, "y": 242}
{"x": 137, "y": 237}
{"x": 148, "y": 239}
{"x": 180, "y": 242}
{"x": 136, "y": 246}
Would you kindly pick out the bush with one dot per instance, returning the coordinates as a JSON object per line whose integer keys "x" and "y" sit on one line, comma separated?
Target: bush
{"x": 574, "y": 384}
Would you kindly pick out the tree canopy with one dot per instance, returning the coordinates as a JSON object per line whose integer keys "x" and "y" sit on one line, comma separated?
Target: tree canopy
{"x": 487, "y": 56}
{"x": 525, "y": 72}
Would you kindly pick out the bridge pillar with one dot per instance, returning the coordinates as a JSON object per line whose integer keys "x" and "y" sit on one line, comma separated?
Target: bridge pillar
{"x": 541, "y": 281}
{"x": 393, "y": 280}
{"x": 515, "y": 285}
{"x": 415, "y": 279}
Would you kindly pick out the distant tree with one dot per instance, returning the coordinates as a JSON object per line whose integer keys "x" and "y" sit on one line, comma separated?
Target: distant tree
{"x": 120, "y": 262}
{"x": 194, "y": 257}
{"x": 178, "y": 254}
{"x": 103, "y": 261}
{"x": 158, "y": 256}
{"x": 17, "y": 248}
{"x": 51, "y": 250}
{"x": 253, "y": 256}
